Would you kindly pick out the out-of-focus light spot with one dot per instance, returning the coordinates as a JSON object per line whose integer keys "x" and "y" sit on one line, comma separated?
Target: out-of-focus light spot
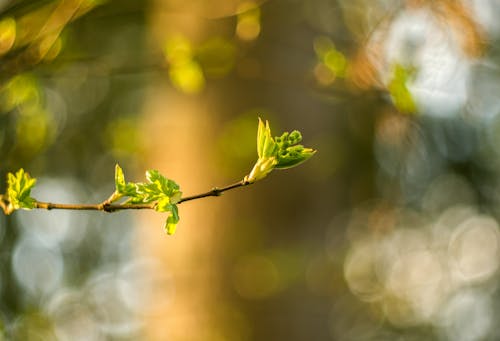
{"x": 416, "y": 277}
{"x": 467, "y": 316}
{"x": 360, "y": 271}
{"x": 58, "y": 227}
{"x": 412, "y": 270}
{"x": 72, "y": 317}
{"x": 475, "y": 248}
{"x": 86, "y": 92}
{"x": 7, "y": 34}
{"x": 445, "y": 225}
{"x": 178, "y": 49}
{"x": 248, "y": 22}
{"x": 332, "y": 63}
{"x": 256, "y": 277}
{"x": 34, "y": 129}
{"x": 56, "y": 105}
{"x": 446, "y": 191}
{"x": 393, "y": 129}
{"x": 324, "y": 76}
{"x": 19, "y": 90}
{"x": 123, "y": 137}
{"x": 399, "y": 311}
{"x": 145, "y": 286}
{"x": 108, "y": 306}
{"x": 407, "y": 155}
{"x": 322, "y": 45}
{"x": 336, "y": 62}
{"x": 37, "y": 268}
{"x": 216, "y": 56}
{"x": 185, "y": 73}
{"x": 187, "y": 77}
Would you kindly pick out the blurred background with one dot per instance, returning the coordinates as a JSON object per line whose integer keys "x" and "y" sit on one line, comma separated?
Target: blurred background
{"x": 390, "y": 232}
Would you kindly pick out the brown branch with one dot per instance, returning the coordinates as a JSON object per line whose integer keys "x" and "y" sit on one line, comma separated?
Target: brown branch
{"x": 215, "y": 192}
{"x": 106, "y": 206}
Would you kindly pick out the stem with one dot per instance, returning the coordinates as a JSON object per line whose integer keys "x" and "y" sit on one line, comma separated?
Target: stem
{"x": 106, "y": 206}
{"x": 215, "y": 192}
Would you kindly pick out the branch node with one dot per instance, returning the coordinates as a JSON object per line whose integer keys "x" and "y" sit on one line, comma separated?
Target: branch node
{"x": 106, "y": 207}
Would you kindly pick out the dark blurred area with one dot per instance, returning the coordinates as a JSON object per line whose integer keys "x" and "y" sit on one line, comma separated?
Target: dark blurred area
{"x": 390, "y": 232}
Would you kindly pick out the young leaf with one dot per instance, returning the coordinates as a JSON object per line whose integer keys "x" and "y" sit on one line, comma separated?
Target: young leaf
{"x": 172, "y": 220}
{"x": 281, "y": 152}
{"x": 291, "y": 158}
{"x": 261, "y": 136}
{"x": 163, "y": 192}
{"x": 19, "y": 187}
{"x": 119, "y": 179}
{"x": 122, "y": 187}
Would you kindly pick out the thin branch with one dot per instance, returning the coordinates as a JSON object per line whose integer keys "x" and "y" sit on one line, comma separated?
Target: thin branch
{"x": 106, "y": 206}
{"x": 215, "y": 192}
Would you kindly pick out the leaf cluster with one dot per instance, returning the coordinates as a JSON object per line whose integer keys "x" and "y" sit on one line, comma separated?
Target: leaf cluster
{"x": 281, "y": 152}
{"x": 163, "y": 193}
{"x": 18, "y": 195}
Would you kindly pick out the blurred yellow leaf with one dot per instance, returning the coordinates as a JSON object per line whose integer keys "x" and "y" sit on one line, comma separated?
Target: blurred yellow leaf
{"x": 398, "y": 89}
{"x": 7, "y": 34}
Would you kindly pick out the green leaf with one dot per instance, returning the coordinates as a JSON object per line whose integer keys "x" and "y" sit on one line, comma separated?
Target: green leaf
{"x": 119, "y": 179}
{"x": 164, "y": 185}
{"x": 291, "y": 159}
{"x": 281, "y": 152}
{"x": 261, "y": 135}
{"x": 122, "y": 187}
{"x": 19, "y": 187}
{"x": 163, "y": 205}
{"x": 172, "y": 220}
{"x": 266, "y": 147}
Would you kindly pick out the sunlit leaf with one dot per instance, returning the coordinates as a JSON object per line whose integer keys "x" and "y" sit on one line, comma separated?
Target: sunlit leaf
{"x": 280, "y": 152}
{"x": 122, "y": 187}
{"x": 398, "y": 88}
{"x": 19, "y": 187}
{"x": 172, "y": 220}
{"x": 119, "y": 178}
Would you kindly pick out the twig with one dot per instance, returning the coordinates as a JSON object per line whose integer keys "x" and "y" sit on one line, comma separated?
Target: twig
{"x": 215, "y": 192}
{"x": 106, "y": 206}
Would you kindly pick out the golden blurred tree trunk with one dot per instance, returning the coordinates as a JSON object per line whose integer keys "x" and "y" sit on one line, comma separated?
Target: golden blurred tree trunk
{"x": 178, "y": 127}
